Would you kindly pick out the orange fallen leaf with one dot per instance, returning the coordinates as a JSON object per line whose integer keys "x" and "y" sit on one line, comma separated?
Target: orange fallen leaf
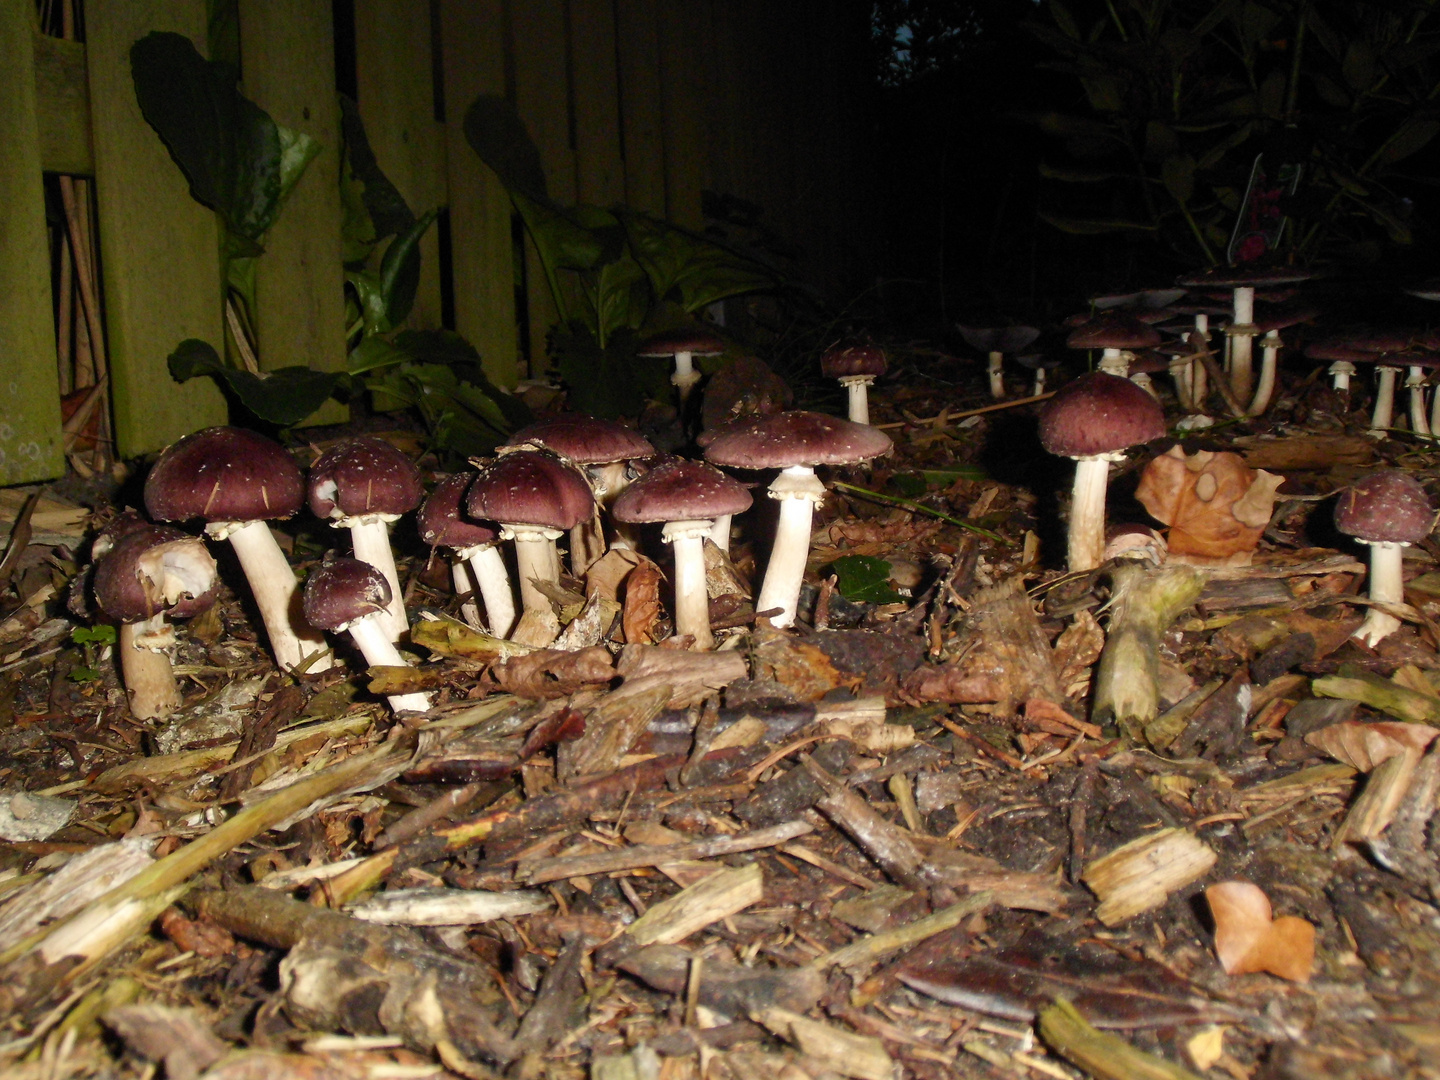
{"x": 1363, "y": 746}
{"x": 641, "y": 616}
{"x": 1216, "y": 506}
{"x": 1248, "y": 939}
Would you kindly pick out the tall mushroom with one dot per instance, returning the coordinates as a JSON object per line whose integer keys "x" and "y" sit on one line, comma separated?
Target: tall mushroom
{"x": 442, "y": 523}
{"x": 141, "y": 577}
{"x": 688, "y": 496}
{"x": 1117, "y": 336}
{"x": 236, "y": 481}
{"x": 1389, "y": 511}
{"x": 1269, "y": 321}
{"x": 349, "y": 595}
{"x": 363, "y": 484}
{"x": 535, "y": 495}
{"x": 794, "y": 443}
{"x": 603, "y": 448}
{"x": 684, "y": 344}
{"x": 1093, "y": 421}
{"x": 1241, "y": 333}
{"x": 856, "y": 365}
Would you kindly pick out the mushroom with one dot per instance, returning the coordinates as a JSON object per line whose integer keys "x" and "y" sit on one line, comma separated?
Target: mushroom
{"x": 1388, "y": 510}
{"x": 683, "y": 344}
{"x": 1269, "y": 323}
{"x": 1241, "y": 332}
{"x": 1041, "y": 365}
{"x": 794, "y": 443}
{"x": 349, "y": 595}
{"x": 687, "y": 496}
{"x": 442, "y": 523}
{"x": 535, "y": 495}
{"x": 362, "y": 484}
{"x": 1117, "y": 336}
{"x": 856, "y": 366}
{"x": 997, "y": 341}
{"x": 604, "y": 448}
{"x": 237, "y": 480}
{"x": 142, "y": 576}
{"x": 1093, "y": 420}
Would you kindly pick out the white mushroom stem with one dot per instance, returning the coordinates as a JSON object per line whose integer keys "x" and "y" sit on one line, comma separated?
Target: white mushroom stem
{"x": 720, "y": 531}
{"x": 609, "y": 483}
{"x": 1241, "y": 335}
{"x": 1142, "y": 380}
{"x": 1180, "y": 375}
{"x": 1435, "y": 413}
{"x": 1199, "y": 380}
{"x": 535, "y": 559}
{"x": 273, "y": 585}
{"x": 487, "y": 567}
{"x": 1384, "y": 413}
{"x": 1340, "y": 372}
{"x": 692, "y": 603}
{"x": 858, "y": 388}
{"x": 1116, "y": 362}
{"x": 1087, "y": 511}
{"x": 370, "y": 541}
{"x": 145, "y": 666}
{"x": 685, "y": 376}
{"x": 1039, "y": 382}
{"x": 1415, "y": 383}
{"x": 465, "y": 587}
{"x": 1269, "y": 362}
{"x": 1386, "y": 586}
{"x": 997, "y": 378}
{"x": 799, "y": 492}
{"x": 372, "y": 639}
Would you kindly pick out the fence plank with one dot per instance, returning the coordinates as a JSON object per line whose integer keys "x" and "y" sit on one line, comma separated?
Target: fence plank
{"x": 288, "y": 53}
{"x": 599, "y": 168}
{"x": 158, "y": 245}
{"x": 542, "y": 89}
{"x": 397, "y": 102}
{"x": 30, "y": 446}
{"x": 63, "y": 108}
{"x": 684, "y": 86}
{"x": 482, "y": 260}
{"x": 640, "y": 114}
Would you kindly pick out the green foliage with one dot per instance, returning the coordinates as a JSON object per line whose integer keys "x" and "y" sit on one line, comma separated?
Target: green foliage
{"x": 1180, "y": 96}
{"x": 90, "y": 638}
{"x": 608, "y": 271}
{"x": 864, "y": 579}
{"x": 282, "y": 397}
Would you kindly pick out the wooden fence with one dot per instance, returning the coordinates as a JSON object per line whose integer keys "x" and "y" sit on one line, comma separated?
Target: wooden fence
{"x": 649, "y": 102}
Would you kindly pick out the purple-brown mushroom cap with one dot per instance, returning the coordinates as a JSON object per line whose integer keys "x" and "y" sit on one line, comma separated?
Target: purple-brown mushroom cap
{"x": 844, "y": 361}
{"x": 343, "y": 590}
{"x": 442, "y": 521}
{"x": 681, "y": 491}
{"x": 224, "y": 474}
{"x": 123, "y": 587}
{"x": 693, "y": 340}
{"x": 1388, "y": 506}
{"x": 585, "y": 440}
{"x": 363, "y": 476}
{"x": 531, "y": 487}
{"x": 1098, "y": 414}
{"x": 798, "y": 438}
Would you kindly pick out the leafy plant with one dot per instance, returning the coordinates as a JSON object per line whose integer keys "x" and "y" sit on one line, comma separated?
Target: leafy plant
{"x": 609, "y": 271}
{"x": 864, "y": 579}
{"x": 91, "y": 639}
{"x": 1183, "y": 96}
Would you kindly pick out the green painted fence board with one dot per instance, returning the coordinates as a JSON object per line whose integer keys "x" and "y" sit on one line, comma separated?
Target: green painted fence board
{"x": 159, "y": 248}
{"x": 30, "y": 446}
{"x": 396, "y": 98}
{"x": 599, "y": 168}
{"x": 63, "y": 106}
{"x": 643, "y": 127}
{"x": 684, "y": 90}
{"x": 482, "y": 263}
{"x": 287, "y": 49}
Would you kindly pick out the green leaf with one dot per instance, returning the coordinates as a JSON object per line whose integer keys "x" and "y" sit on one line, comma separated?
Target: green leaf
{"x": 1411, "y": 137}
{"x": 691, "y": 270}
{"x": 1177, "y": 172}
{"x": 193, "y": 357}
{"x": 609, "y": 382}
{"x": 1094, "y": 226}
{"x": 864, "y": 579}
{"x": 373, "y": 353}
{"x": 282, "y": 397}
{"x": 297, "y": 150}
{"x": 100, "y": 634}
{"x": 378, "y": 199}
{"x": 228, "y": 147}
{"x": 496, "y": 133}
{"x": 1358, "y": 68}
{"x": 400, "y": 270}
{"x": 371, "y": 294}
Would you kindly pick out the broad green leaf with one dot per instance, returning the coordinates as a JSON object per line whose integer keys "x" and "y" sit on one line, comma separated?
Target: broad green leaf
{"x": 372, "y": 299}
{"x": 618, "y": 297}
{"x": 691, "y": 270}
{"x": 1064, "y": 20}
{"x": 864, "y": 579}
{"x": 1078, "y": 176}
{"x": 286, "y": 395}
{"x": 228, "y": 147}
{"x": 297, "y": 150}
{"x": 400, "y": 270}
{"x": 1103, "y": 94}
{"x": 1177, "y": 173}
{"x": 1413, "y": 135}
{"x": 1160, "y": 141}
{"x": 610, "y": 382}
{"x": 193, "y": 357}
{"x": 496, "y": 133}
{"x": 1358, "y": 68}
{"x": 1094, "y": 226}
{"x": 373, "y": 353}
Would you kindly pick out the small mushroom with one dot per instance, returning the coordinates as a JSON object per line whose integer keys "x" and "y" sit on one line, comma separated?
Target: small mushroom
{"x": 442, "y": 523}
{"x": 996, "y": 341}
{"x": 688, "y": 496}
{"x": 1269, "y": 322}
{"x": 1118, "y": 336}
{"x": 683, "y": 344}
{"x": 1093, "y": 421}
{"x": 536, "y": 496}
{"x": 363, "y": 484}
{"x": 347, "y": 595}
{"x": 237, "y": 481}
{"x": 1389, "y": 511}
{"x": 141, "y": 577}
{"x": 794, "y": 443}
{"x": 856, "y": 366}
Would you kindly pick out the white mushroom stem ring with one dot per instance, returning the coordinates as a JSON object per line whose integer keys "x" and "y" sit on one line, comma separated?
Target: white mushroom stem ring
{"x": 800, "y": 492}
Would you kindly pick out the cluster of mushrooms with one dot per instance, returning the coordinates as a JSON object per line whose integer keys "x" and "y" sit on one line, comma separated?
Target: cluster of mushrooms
{"x": 596, "y": 480}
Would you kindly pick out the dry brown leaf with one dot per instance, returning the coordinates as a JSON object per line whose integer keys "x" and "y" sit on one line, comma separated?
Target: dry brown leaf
{"x": 800, "y": 667}
{"x": 1363, "y": 746}
{"x": 1216, "y": 506}
{"x": 608, "y": 573}
{"x": 1248, "y": 940}
{"x": 642, "y": 603}
{"x": 552, "y": 673}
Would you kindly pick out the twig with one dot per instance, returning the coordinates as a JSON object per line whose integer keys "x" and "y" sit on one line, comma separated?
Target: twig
{"x": 558, "y": 869}
{"x": 972, "y": 412}
{"x": 877, "y": 945}
{"x": 908, "y": 504}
